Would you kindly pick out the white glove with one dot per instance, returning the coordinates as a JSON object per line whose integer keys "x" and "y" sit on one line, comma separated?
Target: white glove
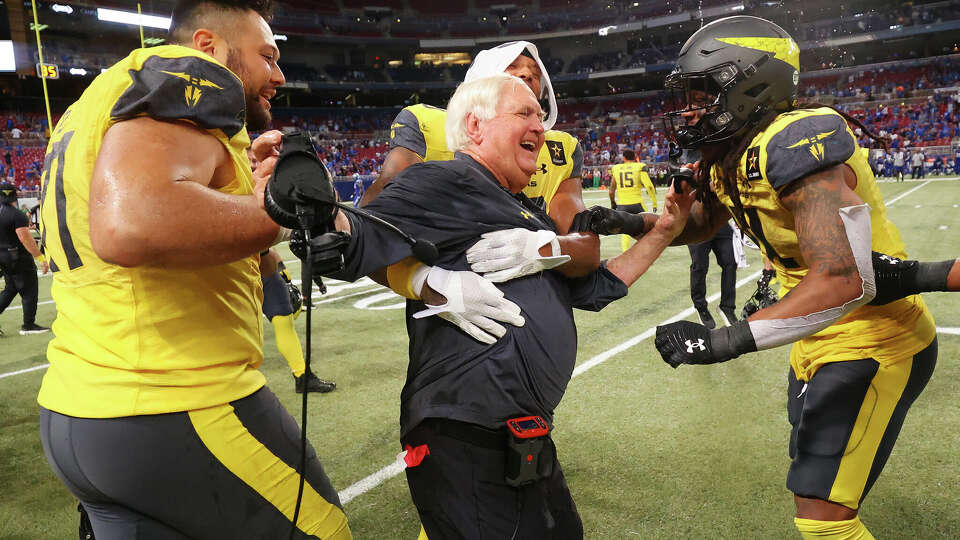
{"x": 474, "y": 304}
{"x": 503, "y": 255}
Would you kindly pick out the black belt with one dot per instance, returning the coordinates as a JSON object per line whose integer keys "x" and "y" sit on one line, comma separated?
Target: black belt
{"x": 477, "y": 435}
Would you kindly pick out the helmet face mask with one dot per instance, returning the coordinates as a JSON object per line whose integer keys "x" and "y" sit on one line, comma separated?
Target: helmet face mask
{"x": 701, "y": 97}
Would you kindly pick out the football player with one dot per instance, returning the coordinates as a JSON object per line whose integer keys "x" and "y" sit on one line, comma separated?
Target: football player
{"x": 153, "y": 221}
{"x": 792, "y": 178}
{"x": 628, "y": 181}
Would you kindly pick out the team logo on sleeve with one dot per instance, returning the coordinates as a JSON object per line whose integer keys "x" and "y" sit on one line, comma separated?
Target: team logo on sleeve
{"x": 556, "y": 152}
{"x": 193, "y": 91}
{"x": 753, "y": 164}
{"x": 814, "y": 144}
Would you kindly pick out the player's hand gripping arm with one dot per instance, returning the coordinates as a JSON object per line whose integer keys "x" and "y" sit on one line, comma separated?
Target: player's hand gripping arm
{"x": 505, "y": 255}
{"x": 153, "y": 198}
{"x": 834, "y": 236}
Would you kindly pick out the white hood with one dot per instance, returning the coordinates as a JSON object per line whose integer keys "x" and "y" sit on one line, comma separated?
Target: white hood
{"x": 492, "y": 61}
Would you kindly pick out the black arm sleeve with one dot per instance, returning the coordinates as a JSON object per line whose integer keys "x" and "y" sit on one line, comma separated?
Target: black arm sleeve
{"x": 593, "y": 292}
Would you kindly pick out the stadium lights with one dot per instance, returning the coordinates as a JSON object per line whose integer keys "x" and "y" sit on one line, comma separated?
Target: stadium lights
{"x": 78, "y": 71}
{"x": 606, "y": 30}
{"x": 279, "y": 37}
{"x": 60, "y": 8}
{"x": 737, "y": 8}
{"x": 128, "y": 17}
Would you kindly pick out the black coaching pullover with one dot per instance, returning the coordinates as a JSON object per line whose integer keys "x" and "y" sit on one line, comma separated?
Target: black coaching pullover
{"x": 450, "y": 374}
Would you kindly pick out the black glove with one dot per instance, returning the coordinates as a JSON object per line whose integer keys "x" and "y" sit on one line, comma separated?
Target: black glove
{"x": 604, "y": 221}
{"x": 686, "y": 342}
{"x": 896, "y": 278}
{"x": 613, "y": 205}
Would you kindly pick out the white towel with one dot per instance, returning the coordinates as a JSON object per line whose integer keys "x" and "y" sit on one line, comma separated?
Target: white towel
{"x": 492, "y": 61}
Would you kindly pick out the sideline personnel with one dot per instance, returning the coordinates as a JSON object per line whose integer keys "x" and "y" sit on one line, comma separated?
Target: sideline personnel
{"x": 17, "y": 251}
{"x": 459, "y": 393}
{"x": 154, "y": 414}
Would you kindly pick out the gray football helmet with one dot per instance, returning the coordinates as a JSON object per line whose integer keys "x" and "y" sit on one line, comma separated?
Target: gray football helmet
{"x": 734, "y": 70}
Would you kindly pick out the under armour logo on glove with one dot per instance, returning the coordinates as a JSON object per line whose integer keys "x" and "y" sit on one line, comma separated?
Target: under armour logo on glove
{"x": 685, "y": 342}
{"x": 699, "y": 345}
{"x": 889, "y": 259}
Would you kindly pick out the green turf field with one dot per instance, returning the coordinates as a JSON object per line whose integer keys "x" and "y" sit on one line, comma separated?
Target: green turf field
{"x": 649, "y": 452}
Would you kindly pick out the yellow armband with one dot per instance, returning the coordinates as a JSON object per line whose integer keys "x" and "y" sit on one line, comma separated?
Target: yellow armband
{"x": 400, "y": 277}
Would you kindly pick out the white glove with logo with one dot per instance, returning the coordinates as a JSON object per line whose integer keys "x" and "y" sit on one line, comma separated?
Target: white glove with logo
{"x": 474, "y": 304}
{"x": 503, "y": 255}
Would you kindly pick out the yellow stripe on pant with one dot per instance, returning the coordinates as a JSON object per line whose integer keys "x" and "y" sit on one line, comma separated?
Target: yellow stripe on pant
{"x": 886, "y": 389}
{"x": 253, "y": 463}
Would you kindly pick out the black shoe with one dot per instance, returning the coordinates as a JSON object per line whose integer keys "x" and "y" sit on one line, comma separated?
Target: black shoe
{"x": 707, "y": 319}
{"x": 313, "y": 384}
{"x": 33, "y": 329}
{"x": 730, "y": 315}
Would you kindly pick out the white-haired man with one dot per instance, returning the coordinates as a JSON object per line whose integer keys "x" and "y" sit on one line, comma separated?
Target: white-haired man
{"x": 418, "y": 135}
{"x": 463, "y": 399}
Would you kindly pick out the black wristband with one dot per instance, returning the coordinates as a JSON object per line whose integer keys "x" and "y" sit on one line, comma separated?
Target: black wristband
{"x": 633, "y": 224}
{"x": 732, "y": 341}
{"x": 930, "y": 277}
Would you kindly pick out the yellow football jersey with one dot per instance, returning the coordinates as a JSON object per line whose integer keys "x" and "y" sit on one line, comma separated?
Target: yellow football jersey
{"x": 795, "y": 145}
{"x": 422, "y": 129}
{"x": 131, "y": 341}
{"x": 632, "y": 178}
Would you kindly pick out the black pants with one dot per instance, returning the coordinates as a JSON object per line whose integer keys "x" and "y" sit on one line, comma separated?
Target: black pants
{"x": 722, "y": 246}
{"x": 224, "y": 472}
{"x": 916, "y": 172}
{"x": 460, "y": 493}
{"x": 20, "y": 276}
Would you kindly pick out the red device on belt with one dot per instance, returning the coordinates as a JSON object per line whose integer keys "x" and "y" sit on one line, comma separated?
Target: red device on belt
{"x": 528, "y": 427}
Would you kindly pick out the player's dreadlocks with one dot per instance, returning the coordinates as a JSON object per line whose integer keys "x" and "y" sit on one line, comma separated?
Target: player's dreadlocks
{"x": 188, "y": 15}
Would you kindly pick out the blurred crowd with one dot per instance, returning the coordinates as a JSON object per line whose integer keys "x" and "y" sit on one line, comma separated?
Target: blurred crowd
{"x": 914, "y": 107}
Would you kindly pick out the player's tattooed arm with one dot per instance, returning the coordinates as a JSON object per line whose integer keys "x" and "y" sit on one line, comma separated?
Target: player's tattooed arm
{"x": 833, "y": 278}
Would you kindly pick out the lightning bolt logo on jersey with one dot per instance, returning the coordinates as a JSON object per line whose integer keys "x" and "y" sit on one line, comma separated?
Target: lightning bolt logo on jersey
{"x": 814, "y": 144}
{"x": 193, "y": 91}
{"x": 421, "y": 129}
{"x": 795, "y": 145}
